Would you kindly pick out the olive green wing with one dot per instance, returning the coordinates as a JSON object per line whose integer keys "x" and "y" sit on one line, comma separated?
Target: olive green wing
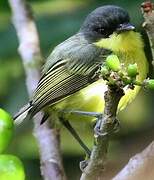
{"x": 59, "y": 82}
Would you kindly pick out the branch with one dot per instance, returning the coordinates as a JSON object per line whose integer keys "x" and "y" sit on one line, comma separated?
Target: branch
{"x": 147, "y": 9}
{"x": 99, "y": 153}
{"x": 139, "y": 167}
{"x": 29, "y": 49}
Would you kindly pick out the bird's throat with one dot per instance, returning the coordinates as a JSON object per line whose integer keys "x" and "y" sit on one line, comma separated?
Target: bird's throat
{"x": 125, "y": 42}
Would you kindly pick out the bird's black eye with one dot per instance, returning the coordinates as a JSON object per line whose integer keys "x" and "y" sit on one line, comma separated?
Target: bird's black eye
{"x": 99, "y": 30}
{"x": 103, "y": 31}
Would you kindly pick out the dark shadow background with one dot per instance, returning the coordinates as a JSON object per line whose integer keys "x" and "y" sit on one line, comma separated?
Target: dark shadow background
{"x": 57, "y": 20}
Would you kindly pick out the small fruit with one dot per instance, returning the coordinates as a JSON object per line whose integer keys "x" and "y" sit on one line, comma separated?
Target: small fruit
{"x": 132, "y": 70}
{"x": 6, "y": 129}
{"x": 112, "y": 61}
{"x": 11, "y": 168}
{"x": 150, "y": 83}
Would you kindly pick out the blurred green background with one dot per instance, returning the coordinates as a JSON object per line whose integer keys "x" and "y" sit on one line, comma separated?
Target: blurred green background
{"x": 57, "y": 20}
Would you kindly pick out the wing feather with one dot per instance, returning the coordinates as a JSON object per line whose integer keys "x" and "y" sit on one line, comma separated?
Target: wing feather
{"x": 58, "y": 84}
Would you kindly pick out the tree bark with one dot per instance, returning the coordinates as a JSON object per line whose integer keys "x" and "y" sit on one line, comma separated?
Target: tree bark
{"x": 29, "y": 50}
{"x": 139, "y": 167}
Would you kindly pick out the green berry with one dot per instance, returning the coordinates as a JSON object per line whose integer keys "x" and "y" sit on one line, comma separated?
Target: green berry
{"x": 132, "y": 70}
{"x": 6, "y": 129}
{"x": 150, "y": 83}
{"x": 11, "y": 168}
{"x": 112, "y": 61}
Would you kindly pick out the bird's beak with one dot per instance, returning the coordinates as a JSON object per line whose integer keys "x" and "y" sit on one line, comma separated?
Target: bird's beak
{"x": 125, "y": 27}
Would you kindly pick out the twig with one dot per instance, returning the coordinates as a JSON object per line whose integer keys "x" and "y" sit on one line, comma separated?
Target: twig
{"x": 29, "y": 49}
{"x": 147, "y": 9}
{"x": 99, "y": 153}
{"x": 139, "y": 167}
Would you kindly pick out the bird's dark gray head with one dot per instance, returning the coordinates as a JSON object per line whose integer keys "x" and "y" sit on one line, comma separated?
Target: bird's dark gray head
{"x": 105, "y": 20}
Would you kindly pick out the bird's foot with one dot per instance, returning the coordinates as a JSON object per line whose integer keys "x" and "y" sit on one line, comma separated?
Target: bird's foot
{"x": 83, "y": 164}
{"x": 102, "y": 128}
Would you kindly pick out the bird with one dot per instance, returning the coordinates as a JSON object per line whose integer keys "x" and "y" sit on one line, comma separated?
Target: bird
{"x": 71, "y": 80}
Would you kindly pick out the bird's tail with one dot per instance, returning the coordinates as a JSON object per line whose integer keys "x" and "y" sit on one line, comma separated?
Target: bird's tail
{"x": 22, "y": 115}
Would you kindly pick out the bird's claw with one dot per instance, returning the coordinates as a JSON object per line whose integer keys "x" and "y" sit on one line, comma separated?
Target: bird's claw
{"x": 84, "y": 164}
{"x": 98, "y": 131}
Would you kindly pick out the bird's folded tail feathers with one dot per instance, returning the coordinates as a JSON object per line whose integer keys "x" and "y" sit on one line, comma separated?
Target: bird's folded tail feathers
{"x": 22, "y": 115}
